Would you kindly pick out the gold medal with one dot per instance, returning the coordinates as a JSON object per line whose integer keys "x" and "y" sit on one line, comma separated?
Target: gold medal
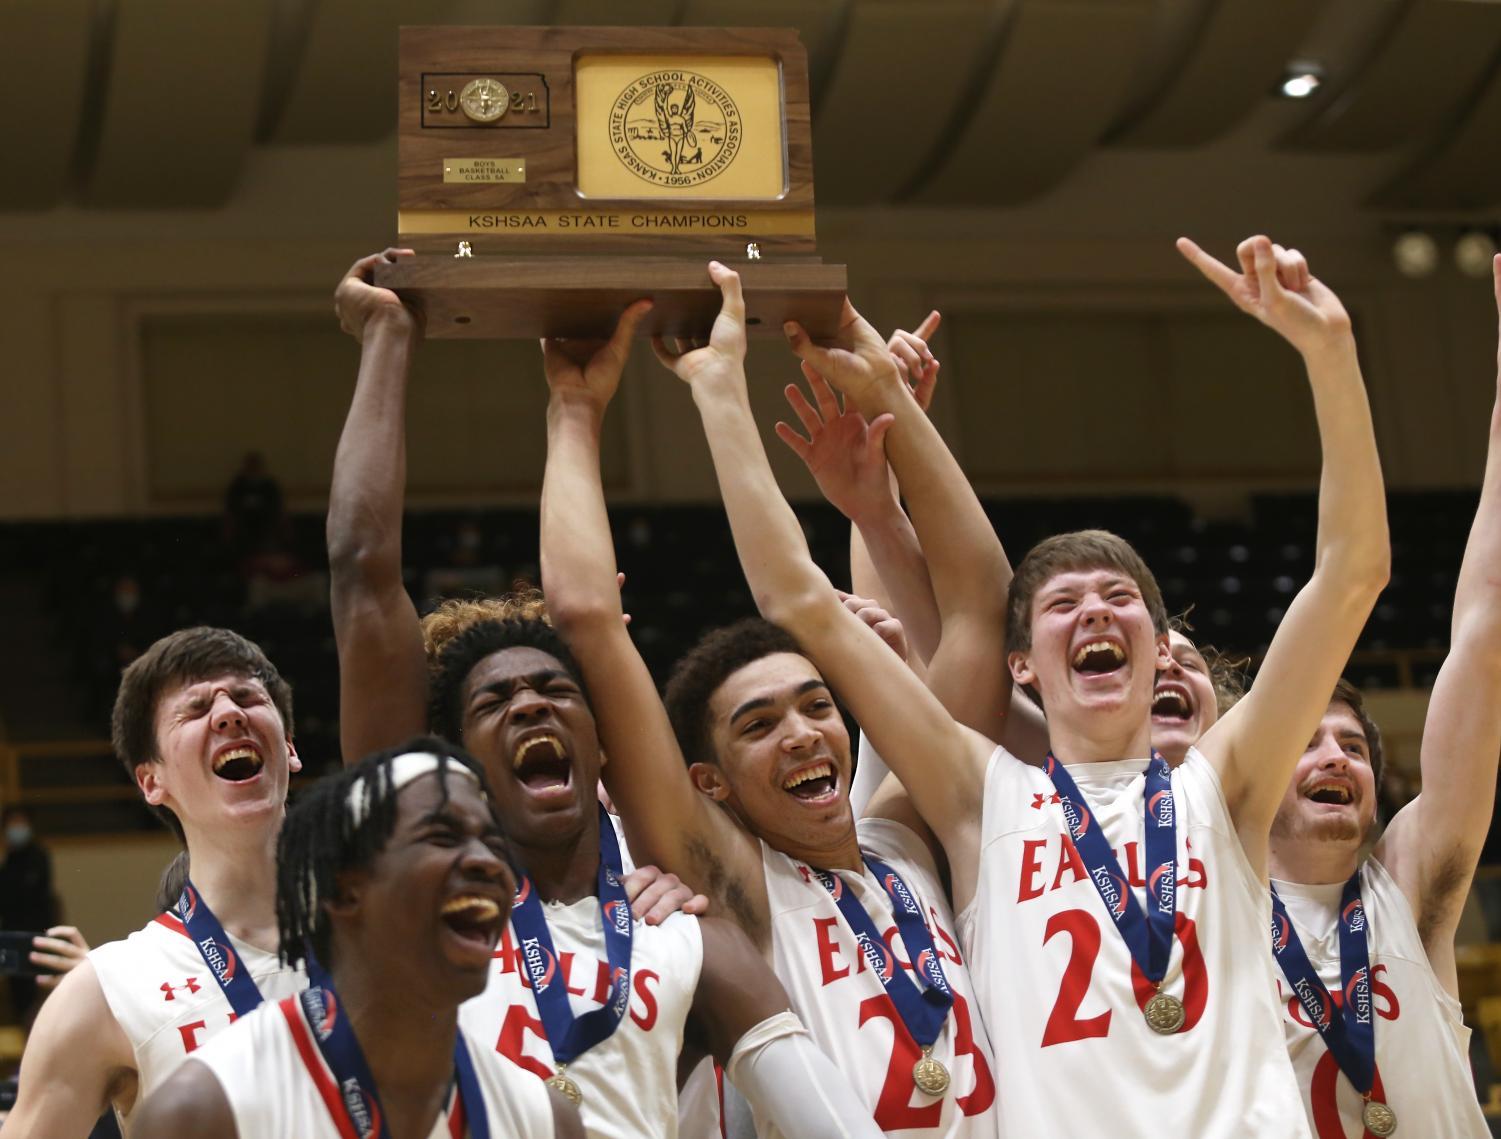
{"x": 566, "y": 1086}
{"x": 484, "y": 100}
{"x": 930, "y": 1076}
{"x": 1379, "y": 1119}
{"x": 1164, "y": 1014}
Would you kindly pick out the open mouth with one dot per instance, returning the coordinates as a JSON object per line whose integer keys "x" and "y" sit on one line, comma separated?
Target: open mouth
{"x": 1171, "y": 702}
{"x": 473, "y": 918}
{"x": 812, "y": 782}
{"x": 1333, "y": 794}
{"x": 541, "y": 764}
{"x": 1097, "y": 658}
{"x": 237, "y": 764}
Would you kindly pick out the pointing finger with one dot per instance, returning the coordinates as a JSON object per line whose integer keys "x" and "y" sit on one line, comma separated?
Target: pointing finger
{"x": 1212, "y": 267}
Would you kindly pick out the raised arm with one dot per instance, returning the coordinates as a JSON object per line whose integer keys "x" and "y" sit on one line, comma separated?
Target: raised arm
{"x": 1256, "y": 745}
{"x": 942, "y": 762}
{"x": 965, "y": 561}
{"x": 382, "y": 668}
{"x": 1433, "y": 844}
{"x": 847, "y": 458}
{"x": 667, "y": 820}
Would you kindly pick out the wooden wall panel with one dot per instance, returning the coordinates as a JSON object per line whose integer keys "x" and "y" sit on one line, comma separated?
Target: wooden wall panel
{"x": 215, "y": 386}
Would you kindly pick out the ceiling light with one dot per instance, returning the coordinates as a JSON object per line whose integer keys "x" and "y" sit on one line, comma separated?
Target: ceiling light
{"x": 1302, "y": 80}
{"x": 1473, "y": 253}
{"x": 1416, "y": 253}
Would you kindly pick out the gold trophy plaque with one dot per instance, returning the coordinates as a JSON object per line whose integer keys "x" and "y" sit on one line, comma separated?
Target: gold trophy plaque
{"x": 549, "y": 176}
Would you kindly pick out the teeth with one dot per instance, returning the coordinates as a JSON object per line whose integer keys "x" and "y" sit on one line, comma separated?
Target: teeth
{"x": 822, "y": 771}
{"x": 1107, "y": 647}
{"x": 536, "y": 741}
{"x": 1338, "y": 789}
{"x": 482, "y": 909}
{"x": 221, "y": 760}
{"x": 1170, "y": 700}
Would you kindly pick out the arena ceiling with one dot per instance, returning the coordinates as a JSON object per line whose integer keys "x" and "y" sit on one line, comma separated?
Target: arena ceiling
{"x": 939, "y": 103}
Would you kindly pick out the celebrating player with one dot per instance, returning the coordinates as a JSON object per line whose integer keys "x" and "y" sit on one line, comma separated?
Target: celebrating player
{"x": 1366, "y": 946}
{"x": 203, "y": 723}
{"x": 855, "y": 922}
{"x": 407, "y": 840}
{"x": 612, "y": 1032}
{"x": 1167, "y": 1017}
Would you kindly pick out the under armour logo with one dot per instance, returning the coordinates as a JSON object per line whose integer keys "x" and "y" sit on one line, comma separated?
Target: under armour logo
{"x": 1038, "y": 799}
{"x": 805, "y": 872}
{"x": 191, "y": 985}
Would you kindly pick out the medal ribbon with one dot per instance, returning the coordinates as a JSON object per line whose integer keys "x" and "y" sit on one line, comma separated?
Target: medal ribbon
{"x": 223, "y": 962}
{"x": 1350, "y": 1033}
{"x": 571, "y": 1036}
{"x": 334, "y": 1037}
{"x": 922, "y": 1011}
{"x": 213, "y": 946}
{"x": 1148, "y": 934}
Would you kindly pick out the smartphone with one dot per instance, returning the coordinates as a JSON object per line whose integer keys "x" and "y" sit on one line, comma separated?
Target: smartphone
{"x": 15, "y": 955}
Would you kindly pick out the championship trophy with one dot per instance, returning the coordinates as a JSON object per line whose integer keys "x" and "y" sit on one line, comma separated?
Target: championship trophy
{"x": 549, "y": 176}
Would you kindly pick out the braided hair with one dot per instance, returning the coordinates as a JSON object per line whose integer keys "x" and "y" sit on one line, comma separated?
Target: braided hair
{"x": 339, "y": 825}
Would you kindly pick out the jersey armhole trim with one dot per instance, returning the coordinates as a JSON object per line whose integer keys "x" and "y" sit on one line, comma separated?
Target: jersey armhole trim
{"x": 291, "y": 1010}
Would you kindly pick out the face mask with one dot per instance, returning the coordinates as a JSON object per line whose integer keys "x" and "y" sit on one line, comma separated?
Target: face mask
{"x": 17, "y": 834}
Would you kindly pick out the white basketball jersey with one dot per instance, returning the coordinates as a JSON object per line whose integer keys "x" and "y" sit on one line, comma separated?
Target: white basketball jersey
{"x": 629, "y": 1081}
{"x": 1059, "y": 988}
{"x": 278, "y": 1084}
{"x": 1422, "y": 1044}
{"x": 166, "y": 999}
{"x": 846, "y": 1008}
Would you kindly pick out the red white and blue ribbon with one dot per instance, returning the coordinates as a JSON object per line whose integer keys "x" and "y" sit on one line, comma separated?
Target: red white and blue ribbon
{"x": 358, "y": 1098}
{"x": 568, "y": 1035}
{"x": 208, "y": 935}
{"x": 213, "y": 946}
{"x": 1349, "y": 1033}
{"x": 1148, "y": 933}
{"x": 924, "y": 1010}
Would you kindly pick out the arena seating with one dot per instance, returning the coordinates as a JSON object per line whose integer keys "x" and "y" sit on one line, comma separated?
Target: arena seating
{"x": 682, "y": 577}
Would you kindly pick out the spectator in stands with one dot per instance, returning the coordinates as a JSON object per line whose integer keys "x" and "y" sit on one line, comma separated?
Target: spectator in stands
{"x": 26, "y": 901}
{"x": 468, "y": 572}
{"x": 122, "y": 628}
{"x": 252, "y": 506}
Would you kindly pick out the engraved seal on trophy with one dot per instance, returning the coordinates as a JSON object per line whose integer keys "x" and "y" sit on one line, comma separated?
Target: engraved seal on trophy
{"x": 675, "y": 128}
{"x": 484, "y": 100}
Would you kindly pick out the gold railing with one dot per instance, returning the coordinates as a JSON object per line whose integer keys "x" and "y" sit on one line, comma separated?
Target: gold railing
{"x": 15, "y": 788}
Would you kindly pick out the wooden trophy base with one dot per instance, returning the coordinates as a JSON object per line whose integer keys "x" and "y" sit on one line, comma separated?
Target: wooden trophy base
{"x": 494, "y": 297}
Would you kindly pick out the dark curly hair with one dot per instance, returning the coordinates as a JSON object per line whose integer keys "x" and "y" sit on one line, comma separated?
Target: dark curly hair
{"x": 474, "y": 644}
{"x": 321, "y": 840}
{"x": 703, "y": 668}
